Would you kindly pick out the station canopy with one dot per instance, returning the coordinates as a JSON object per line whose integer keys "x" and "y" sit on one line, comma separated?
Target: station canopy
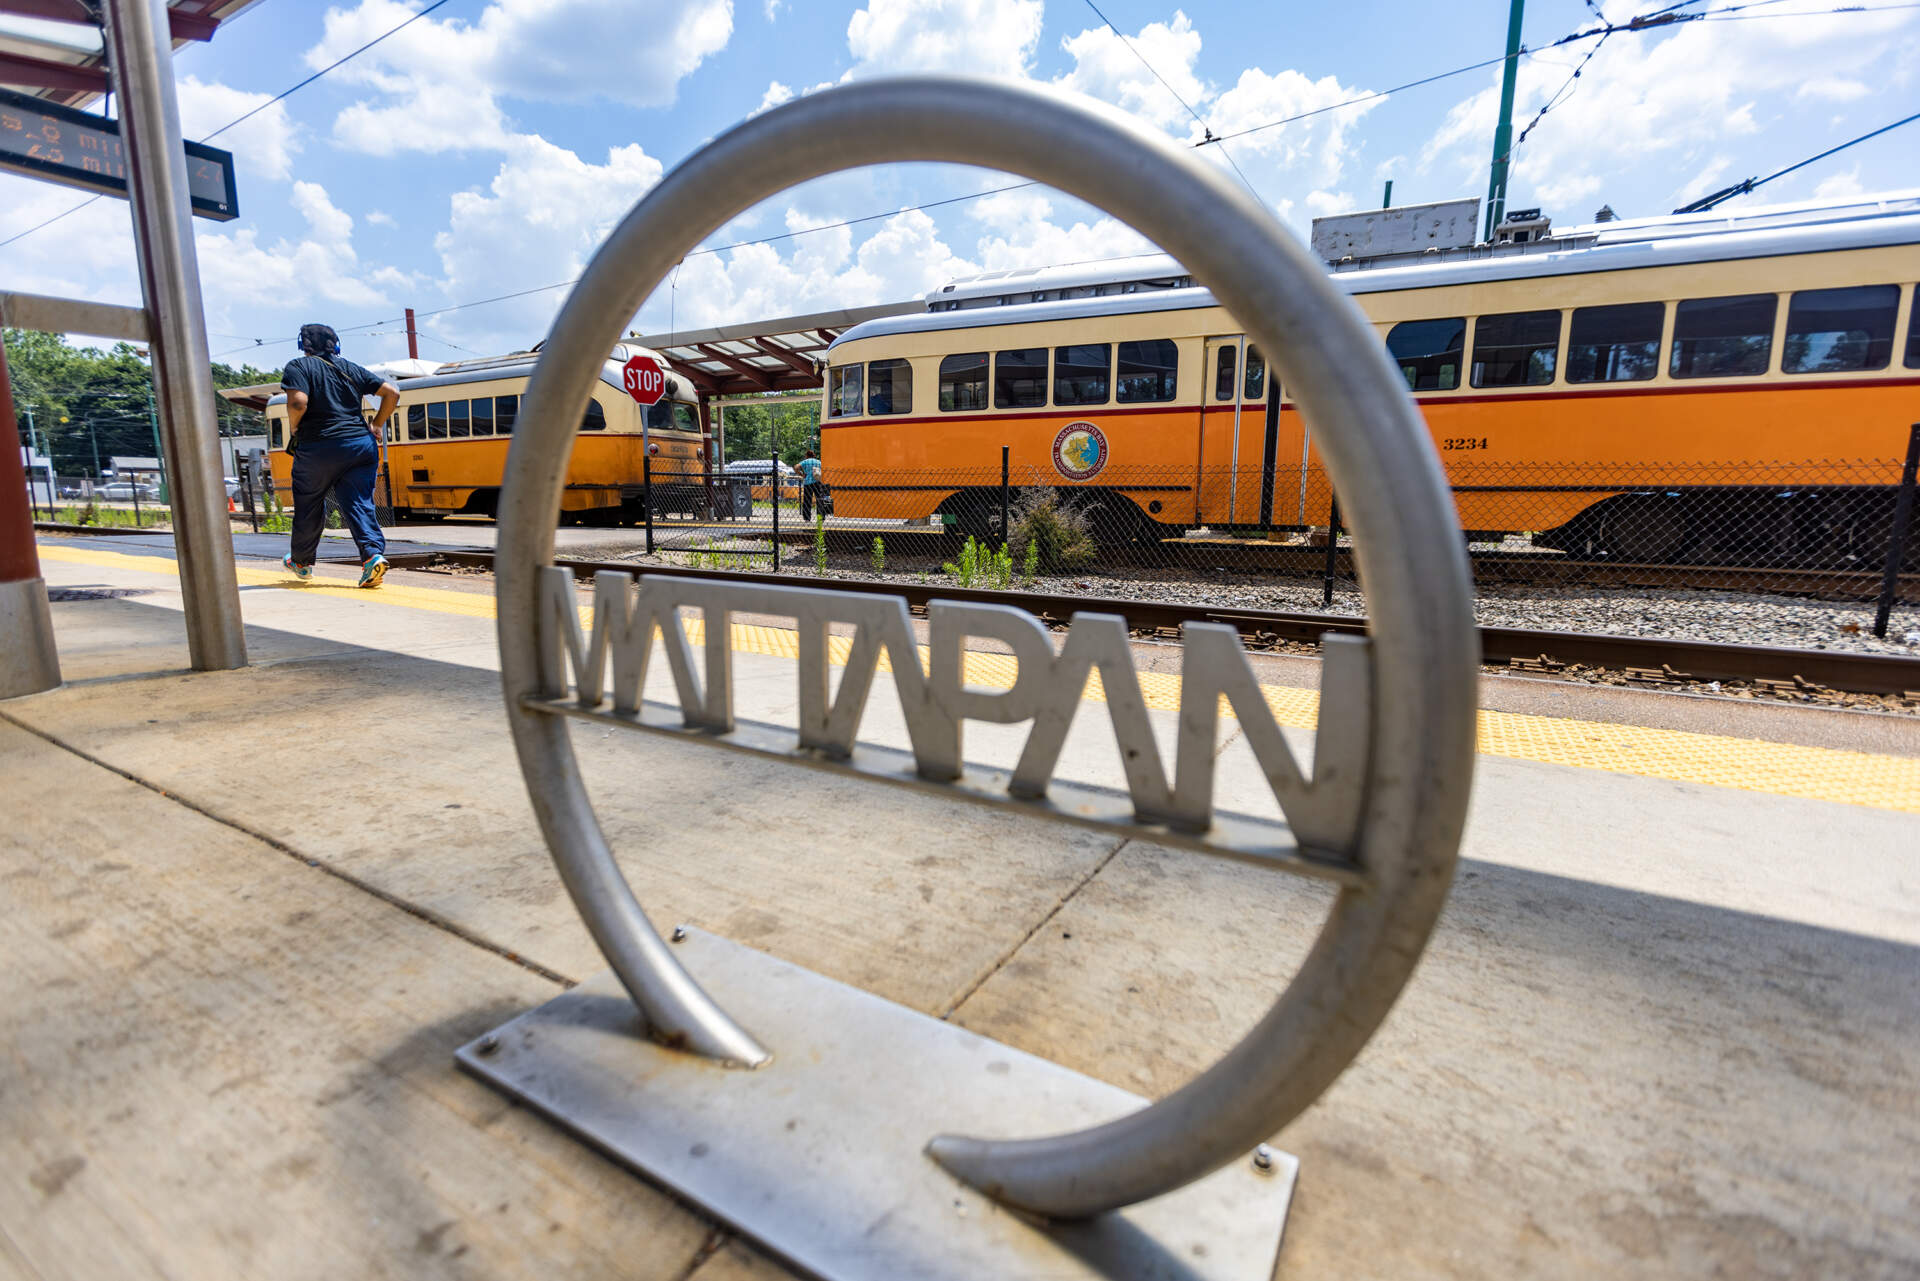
{"x": 766, "y": 355}
{"x": 52, "y": 48}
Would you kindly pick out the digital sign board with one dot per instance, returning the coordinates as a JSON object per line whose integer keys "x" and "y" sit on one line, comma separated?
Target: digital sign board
{"x": 44, "y": 140}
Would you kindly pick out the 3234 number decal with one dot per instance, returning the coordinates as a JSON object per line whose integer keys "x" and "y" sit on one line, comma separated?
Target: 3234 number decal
{"x": 1463, "y": 442}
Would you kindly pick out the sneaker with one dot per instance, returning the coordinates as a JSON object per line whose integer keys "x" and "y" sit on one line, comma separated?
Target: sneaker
{"x": 373, "y": 571}
{"x": 301, "y": 572}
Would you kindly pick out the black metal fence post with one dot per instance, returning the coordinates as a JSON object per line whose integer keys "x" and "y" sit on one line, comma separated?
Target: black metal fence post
{"x": 1897, "y": 540}
{"x": 773, "y": 492}
{"x": 646, "y": 493}
{"x": 253, "y": 512}
{"x": 134, "y": 486}
{"x": 1006, "y": 521}
{"x": 1333, "y": 550}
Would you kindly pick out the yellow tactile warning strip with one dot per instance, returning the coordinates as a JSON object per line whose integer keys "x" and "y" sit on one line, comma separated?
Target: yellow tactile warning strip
{"x": 1782, "y": 769}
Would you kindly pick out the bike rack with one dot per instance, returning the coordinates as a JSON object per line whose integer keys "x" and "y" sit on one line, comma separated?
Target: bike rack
{"x": 853, "y": 1137}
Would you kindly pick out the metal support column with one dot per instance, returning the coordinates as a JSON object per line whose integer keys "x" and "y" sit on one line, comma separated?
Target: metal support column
{"x": 141, "y": 55}
{"x": 28, "y": 661}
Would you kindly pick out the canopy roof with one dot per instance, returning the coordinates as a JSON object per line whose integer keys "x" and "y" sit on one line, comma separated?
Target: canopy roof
{"x": 763, "y": 355}
{"x": 53, "y": 48}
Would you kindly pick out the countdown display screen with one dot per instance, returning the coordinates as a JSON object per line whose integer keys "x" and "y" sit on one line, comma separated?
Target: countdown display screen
{"x": 43, "y": 140}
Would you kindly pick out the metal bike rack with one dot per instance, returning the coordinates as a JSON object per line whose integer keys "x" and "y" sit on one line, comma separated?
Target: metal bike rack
{"x": 891, "y": 1189}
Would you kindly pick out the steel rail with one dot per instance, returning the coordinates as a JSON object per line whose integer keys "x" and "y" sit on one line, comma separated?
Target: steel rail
{"x": 1698, "y": 660}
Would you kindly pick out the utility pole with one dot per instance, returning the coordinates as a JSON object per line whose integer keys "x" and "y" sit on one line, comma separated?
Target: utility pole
{"x": 413, "y": 338}
{"x": 1503, "y": 132}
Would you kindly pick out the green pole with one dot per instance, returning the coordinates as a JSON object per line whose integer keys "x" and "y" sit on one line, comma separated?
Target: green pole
{"x": 1386, "y": 197}
{"x": 159, "y": 455}
{"x": 1503, "y": 132}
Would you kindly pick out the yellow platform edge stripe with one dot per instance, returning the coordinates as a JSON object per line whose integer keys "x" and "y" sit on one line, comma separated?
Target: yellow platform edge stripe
{"x": 1684, "y": 756}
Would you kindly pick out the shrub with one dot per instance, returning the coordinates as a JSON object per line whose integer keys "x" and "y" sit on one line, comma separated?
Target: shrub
{"x": 1051, "y": 535}
{"x": 967, "y": 567}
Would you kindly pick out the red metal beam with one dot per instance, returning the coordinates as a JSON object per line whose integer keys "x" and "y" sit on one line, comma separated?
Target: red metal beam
{"x": 184, "y": 24}
{"x": 706, "y": 382}
{"x": 738, "y": 366}
{"x": 38, "y": 73}
{"x": 785, "y": 354}
{"x": 826, "y": 336}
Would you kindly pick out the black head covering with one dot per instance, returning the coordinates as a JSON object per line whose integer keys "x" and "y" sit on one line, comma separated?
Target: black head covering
{"x": 319, "y": 340}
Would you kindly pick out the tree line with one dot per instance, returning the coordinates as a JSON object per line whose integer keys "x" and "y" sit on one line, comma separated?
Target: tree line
{"x": 86, "y": 405}
{"x": 751, "y": 430}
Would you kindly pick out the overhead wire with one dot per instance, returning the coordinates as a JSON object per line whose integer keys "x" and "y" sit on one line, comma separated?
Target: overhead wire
{"x": 1656, "y": 19}
{"x": 1205, "y": 128}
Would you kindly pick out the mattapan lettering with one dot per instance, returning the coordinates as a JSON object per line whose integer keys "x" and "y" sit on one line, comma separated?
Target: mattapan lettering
{"x": 1323, "y": 809}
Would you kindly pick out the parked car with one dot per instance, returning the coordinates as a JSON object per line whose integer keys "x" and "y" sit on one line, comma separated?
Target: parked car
{"x": 124, "y": 490}
{"x": 755, "y": 470}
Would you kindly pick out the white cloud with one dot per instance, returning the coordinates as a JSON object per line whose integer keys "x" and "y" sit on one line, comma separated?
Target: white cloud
{"x": 1833, "y": 89}
{"x": 903, "y": 258}
{"x": 985, "y": 37}
{"x": 539, "y": 220}
{"x": 236, "y": 268}
{"x": 440, "y": 81}
{"x": 776, "y": 94}
{"x": 1107, "y": 69}
{"x": 1840, "y": 186}
{"x": 263, "y": 147}
{"x": 772, "y": 9}
{"x": 1675, "y": 103}
{"x": 380, "y": 218}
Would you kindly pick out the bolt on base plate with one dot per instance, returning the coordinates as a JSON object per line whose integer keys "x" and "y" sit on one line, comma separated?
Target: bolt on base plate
{"x": 819, "y": 1155}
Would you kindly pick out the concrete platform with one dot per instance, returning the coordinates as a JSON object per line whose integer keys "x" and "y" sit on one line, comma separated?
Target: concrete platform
{"x": 1667, "y": 1026}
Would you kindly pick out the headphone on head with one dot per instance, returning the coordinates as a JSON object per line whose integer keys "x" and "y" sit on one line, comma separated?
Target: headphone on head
{"x": 318, "y": 340}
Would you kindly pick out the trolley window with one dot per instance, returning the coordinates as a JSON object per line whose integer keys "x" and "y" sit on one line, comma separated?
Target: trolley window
{"x": 672, "y": 415}
{"x": 505, "y": 410}
{"x": 1619, "y": 344}
{"x": 1020, "y": 378}
{"x": 278, "y": 425}
{"x": 1147, "y": 370}
{"x": 1913, "y": 332}
{"x": 963, "y": 381}
{"x": 1256, "y": 380}
{"x": 1083, "y": 374}
{"x": 843, "y": 391}
{"x": 1831, "y": 331}
{"x": 1722, "y": 337}
{"x": 437, "y": 420}
{"x": 416, "y": 422}
{"x": 458, "y": 425}
{"x": 1223, "y": 375}
{"x": 1516, "y": 349}
{"x": 482, "y": 416}
{"x": 595, "y": 419}
{"x": 1429, "y": 352}
{"x": 889, "y": 387}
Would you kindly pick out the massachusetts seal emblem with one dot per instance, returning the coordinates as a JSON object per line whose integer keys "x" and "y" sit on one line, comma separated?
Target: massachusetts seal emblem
{"x": 1079, "y": 451}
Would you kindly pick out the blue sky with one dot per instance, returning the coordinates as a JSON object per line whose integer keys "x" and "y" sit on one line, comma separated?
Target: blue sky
{"x": 487, "y": 148}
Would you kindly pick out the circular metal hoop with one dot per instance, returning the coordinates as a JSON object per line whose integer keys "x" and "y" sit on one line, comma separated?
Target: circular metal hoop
{"x": 1424, "y": 648}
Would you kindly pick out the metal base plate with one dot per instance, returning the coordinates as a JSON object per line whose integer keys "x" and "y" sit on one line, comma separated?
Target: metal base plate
{"x": 818, "y": 1156}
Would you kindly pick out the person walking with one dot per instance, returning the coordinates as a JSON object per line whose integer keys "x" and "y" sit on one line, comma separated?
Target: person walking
{"x": 335, "y": 449}
{"x": 810, "y": 486}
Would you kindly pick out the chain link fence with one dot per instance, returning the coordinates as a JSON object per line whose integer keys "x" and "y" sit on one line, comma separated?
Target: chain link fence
{"x": 1702, "y": 549}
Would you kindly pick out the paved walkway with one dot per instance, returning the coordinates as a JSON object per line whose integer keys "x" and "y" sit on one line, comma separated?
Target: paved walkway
{"x": 1666, "y": 1027}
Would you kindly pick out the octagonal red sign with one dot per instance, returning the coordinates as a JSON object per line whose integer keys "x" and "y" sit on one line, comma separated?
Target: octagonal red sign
{"x": 645, "y": 381}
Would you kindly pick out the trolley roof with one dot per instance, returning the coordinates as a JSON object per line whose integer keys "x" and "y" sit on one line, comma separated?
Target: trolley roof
{"x": 1159, "y": 283}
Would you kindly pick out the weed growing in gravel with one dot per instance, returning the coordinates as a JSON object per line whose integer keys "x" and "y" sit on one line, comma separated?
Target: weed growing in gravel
{"x": 1060, "y": 530}
{"x": 967, "y": 567}
{"x": 879, "y": 555}
{"x": 1031, "y": 565}
{"x": 820, "y": 544}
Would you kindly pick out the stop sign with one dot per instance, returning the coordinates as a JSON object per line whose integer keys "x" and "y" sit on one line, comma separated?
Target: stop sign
{"x": 645, "y": 380}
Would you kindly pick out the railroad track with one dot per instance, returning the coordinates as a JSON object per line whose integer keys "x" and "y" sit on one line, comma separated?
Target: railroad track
{"x": 1649, "y": 660}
